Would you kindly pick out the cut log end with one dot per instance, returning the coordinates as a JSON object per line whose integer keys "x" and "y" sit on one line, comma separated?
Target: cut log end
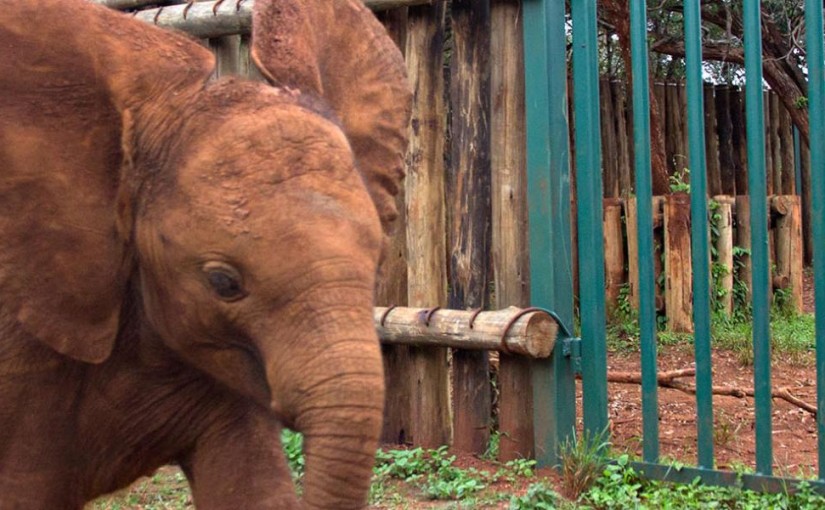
{"x": 512, "y": 330}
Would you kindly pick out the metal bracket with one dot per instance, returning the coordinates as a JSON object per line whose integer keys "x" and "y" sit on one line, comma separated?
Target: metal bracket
{"x": 571, "y": 347}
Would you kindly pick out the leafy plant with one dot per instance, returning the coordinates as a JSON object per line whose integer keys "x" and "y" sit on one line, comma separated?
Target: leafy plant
{"x": 539, "y": 496}
{"x": 680, "y": 181}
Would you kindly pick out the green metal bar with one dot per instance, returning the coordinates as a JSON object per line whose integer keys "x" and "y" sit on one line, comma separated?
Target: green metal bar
{"x": 816, "y": 112}
{"x": 644, "y": 222}
{"x": 754, "y": 482}
{"x": 759, "y": 235}
{"x": 700, "y": 234}
{"x": 551, "y": 281}
{"x": 589, "y": 197}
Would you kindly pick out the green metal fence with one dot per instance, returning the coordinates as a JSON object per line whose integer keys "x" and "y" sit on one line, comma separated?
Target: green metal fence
{"x": 551, "y": 265}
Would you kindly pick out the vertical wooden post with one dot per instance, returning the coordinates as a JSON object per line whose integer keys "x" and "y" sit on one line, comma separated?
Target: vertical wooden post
{"x": 613, "y": 252}
{"x": 724, "y": 250}
{"x": 426, "y": 244}
{"x": 776, "y": 145}
{"x": 630, "y": 215}
{"x": 740, "y": 157}
{"x": 227, "y": 55}
{"x": 610, "y": 167}
{"x": 788, "y": 246}
{"x": 510, "y": 248}
{"x": 711, "y": 142}
{"x": 392, "y": 289}
{"x": 469, "y": 212}
{"x": 724, "y": 128}
{"x": 743, "y": 240}
{"x": 805, "y": 161}
{"x": 624, "y": 146}
{"x": 770, "y": 167}
{"x": 659, "y": 248}
{"x": 787, "y": 157}
{"x": 678, "y": 266}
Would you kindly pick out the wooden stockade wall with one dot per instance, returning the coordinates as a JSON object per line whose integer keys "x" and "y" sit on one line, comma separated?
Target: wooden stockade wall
{"x": 727, "y": 165}
{"x": 460, "y": 242}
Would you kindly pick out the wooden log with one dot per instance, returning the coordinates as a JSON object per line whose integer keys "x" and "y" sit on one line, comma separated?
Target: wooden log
{"x": 678, "y": 264}
{"x": 788, "y": 155}
{"x": 769, "y": 165}
{"x": 807, "y": 205}
{"x": 228, "y": 18}
{"x": 511, "y": 330}
{"x": 623, "y": 144}
{"x": 658, "y": 249}
{"x": 677, "y": 158}
{"x": 391, "y": 289}
{"x": 739, "y": 146}
{"x": 711, "y": 142}
{"x": 123, "y": 5}
{"x": 631, "y": 227}
{"x": 724, "y": 131}
{"x": 614, "y": 258}
{"x": 788, "y": 245}
{"x": 227, "y": 55}
{"x": 510, "y": 246}
{"x": 426, "y": 245}
{"x": 724, "y": 252}
{"x": 776, "y": 144}
{"x": 610, "y": 167}
{"x": 468, "y": 213}
{"x": 743, "y": 239}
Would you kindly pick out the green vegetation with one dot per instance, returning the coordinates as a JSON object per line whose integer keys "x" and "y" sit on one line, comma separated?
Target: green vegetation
{"x": 589, "y": 479}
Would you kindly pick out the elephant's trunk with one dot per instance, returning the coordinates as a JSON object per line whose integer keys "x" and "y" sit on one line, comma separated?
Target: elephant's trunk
{"x": 335, "y": 397}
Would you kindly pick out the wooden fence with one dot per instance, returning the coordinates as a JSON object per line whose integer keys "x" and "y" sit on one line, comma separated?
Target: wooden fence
{"x": 461, "y": 240}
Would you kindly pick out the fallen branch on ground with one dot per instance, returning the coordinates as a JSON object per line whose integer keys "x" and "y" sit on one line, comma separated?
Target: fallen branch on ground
{"x": 668, "y": 380}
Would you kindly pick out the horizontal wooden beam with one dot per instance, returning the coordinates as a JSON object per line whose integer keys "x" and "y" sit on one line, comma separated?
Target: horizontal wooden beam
{"x": 205, "y": 19}
{"x": 531, "y": 334}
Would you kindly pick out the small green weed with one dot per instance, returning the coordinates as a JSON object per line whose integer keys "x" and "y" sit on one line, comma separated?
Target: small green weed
{"x": 539, "y": 496}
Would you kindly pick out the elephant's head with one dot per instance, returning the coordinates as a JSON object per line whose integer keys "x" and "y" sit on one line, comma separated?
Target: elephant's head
{"x": 249, "y": 216}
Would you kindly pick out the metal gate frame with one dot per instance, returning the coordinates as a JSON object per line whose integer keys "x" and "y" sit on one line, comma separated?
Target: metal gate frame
{"x": 548, "y": 174}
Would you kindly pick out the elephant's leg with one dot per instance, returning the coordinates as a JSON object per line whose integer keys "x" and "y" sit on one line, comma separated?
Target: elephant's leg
{"x": 239, "y": 463}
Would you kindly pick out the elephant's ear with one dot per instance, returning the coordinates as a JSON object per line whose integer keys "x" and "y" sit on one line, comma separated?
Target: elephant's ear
{"x": 337, "y": 49}
{"x": 73, "y": 103}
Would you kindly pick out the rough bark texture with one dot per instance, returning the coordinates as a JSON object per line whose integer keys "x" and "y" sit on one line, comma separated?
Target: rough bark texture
{"x": 509, "y": 330}
{"x": 678, "y": 267}
{"x": 426, "y": 245}
{"x": 392, "y": 289}
{"x": 469, "y": 212}
{"x": 510, "y": 248}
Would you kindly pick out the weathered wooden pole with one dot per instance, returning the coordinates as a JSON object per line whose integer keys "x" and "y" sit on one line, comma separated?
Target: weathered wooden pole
{"x": 614, "y": 257}
{"x": 711, "y": 142}
{"x": 788, "y": 245}
{"x": 391, "y": 289}
{"x": 426, "y": 243}
{"x": 468, "y": 212}
{"x": 514, "y": 331}
{"x": 678, "y": 266}
{"x": 509, "y": 204}
{"x": 724, "y": 250}
{"x": 210, "y": 19}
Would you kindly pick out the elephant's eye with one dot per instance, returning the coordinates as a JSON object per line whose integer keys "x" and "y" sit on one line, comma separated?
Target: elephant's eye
{"x": 224, "y": 280}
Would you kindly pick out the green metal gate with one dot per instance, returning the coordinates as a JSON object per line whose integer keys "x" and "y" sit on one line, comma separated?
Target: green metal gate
{"x": 551, "y": 264}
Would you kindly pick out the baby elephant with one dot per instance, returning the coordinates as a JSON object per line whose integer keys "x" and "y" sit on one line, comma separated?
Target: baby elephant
{"x": 187, "y": 266}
